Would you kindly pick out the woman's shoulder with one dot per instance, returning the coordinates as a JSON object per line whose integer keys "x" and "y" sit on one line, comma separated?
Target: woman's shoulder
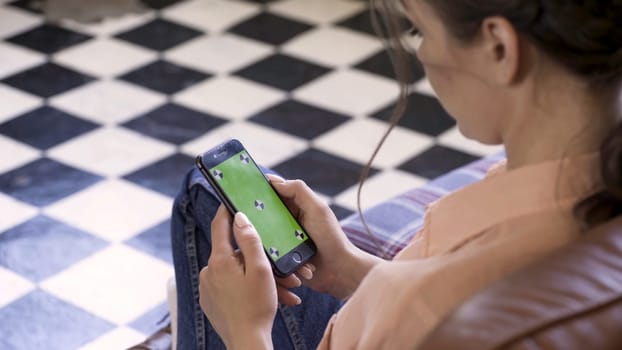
{"x": 532, "y": 195}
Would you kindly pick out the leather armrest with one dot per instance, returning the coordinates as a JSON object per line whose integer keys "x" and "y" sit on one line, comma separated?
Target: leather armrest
{"x": 570, "y": 300}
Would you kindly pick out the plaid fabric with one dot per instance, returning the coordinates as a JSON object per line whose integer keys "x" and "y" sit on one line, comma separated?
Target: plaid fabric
{"x": 395, "y": 222}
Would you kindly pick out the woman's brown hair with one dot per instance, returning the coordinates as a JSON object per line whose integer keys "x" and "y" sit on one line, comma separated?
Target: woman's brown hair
{"x": 585, "y": 36}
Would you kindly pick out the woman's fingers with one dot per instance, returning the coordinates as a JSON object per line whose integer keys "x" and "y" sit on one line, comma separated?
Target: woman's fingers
{"x": 306, "y": 271}
{"x": 286, "y": 297}
{"x": 283, "y": 285}
{"x": 237, "y": 290}
{"x": 250, "y": 245}
{"x": 221, "y": 233}
{"x": 297, "y": 194}
{"x": 291, "y": 281}
{"x": 275, "y": 178}
{"x": 292, "y": 189}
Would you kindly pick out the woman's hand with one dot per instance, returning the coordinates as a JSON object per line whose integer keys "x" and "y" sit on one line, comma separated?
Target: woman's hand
{"x": 339, "y": 266}
{"x": 237, "y": 289}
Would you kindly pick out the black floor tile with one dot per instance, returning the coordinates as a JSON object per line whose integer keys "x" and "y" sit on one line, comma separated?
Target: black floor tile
{"x": 362, "y": 22}
{"x": 155, "y": 241}
{"x": 163, "y": 176}
{"x": 282, "y": 72}
{"x": 159, "y": 35}
{"x": 380, "y": 64}
{"x": 47, "y": 80}
{"x": 299, "y": 119}
{"x": 45, "y": 181}
{"x": 152, "y": 320}
{"x": 323, "y": 172}
{"x": 48, "y": 38}
{"x": 164, "y": 77}
{"x": 341, "y": 212}
{"x": 270, "y": 28}
{"x": 159, "y": 4}
{"x": 32, "y": 6}
{"x": 423, "y": 114}
{"x": 42, "y": 321}
{"x": 437, "y": 161}
{"x": 52, "y": 127}
{"x": 42, "y": 247}
{"x": 175, "y": 124}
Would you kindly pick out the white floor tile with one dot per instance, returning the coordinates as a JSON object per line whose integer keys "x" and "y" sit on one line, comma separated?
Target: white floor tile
{"x": 118, "y": 338}
{"x": 13, "y": 287}
{"x": 14, "y": 102}
{"x": 114, "y": 210}
{"x": 380, "y": 188}
{"x": 316, "y": 11}
{"x": 267, "y": 146}
{"x": 111, "y": 151}
{"x": 15, "y": 154}
{"x": 357, "y": 139}
{"x": 211, "y": 15}
{"x": 105, "y": 57}
{"x": 453, "y": 138}
{"x": 14, "y": 59}
{"x": 111, "y": 25}
{"x": 349, "y": 92}
{"x": 346, "y": 46}
{"x": 15, "y": 21}
{"x": 218, "y": 54}
{"x": 108, "y": 101}
{"x": 14, "y": 212}
{"x": 230, "y": 97}
{"x": 117, "y": 284}
{"x": 423, "y": 86}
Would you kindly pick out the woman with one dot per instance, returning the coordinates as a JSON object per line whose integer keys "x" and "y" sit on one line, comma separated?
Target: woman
{"x": 540, "y": 77}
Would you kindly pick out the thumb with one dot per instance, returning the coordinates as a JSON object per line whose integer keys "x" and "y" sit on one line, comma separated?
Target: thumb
{"x": 296, "y": 192}
{"x": 249, "y": 242}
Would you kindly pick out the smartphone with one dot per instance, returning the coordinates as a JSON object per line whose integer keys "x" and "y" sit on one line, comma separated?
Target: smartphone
{"x": 242, "y": 186}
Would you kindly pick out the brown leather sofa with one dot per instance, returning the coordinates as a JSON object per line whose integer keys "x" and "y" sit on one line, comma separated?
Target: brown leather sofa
{"x": 570, "y": 300}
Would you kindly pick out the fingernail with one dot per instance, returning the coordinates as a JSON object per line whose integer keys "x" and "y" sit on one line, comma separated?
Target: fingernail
{"x": 275, "y": 178}
{"x": 298, "y": 300}
{"x": 241, "y": 220}
{"x": 306, "y": 273}
{"x": 310, "y": 267}
{"x": 298, "y": 281}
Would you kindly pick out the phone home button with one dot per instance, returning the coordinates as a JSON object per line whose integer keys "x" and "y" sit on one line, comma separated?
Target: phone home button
{"x": 296, "y": 257}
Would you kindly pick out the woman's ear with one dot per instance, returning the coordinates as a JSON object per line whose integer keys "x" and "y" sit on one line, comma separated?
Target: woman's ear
{"x": 502, "y": 50}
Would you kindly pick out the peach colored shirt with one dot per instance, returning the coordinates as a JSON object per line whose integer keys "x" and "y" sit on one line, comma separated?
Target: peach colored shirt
{"x": 470, "y": 238}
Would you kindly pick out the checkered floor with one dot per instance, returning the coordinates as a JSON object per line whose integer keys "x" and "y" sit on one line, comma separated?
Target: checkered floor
{"x": 98, "y": 124}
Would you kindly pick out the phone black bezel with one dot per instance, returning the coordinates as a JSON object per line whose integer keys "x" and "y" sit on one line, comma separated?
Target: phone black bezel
{"x": 286, "y": 264}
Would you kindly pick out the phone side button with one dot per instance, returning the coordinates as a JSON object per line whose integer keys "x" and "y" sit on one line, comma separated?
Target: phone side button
{"x": 296, "y": 257}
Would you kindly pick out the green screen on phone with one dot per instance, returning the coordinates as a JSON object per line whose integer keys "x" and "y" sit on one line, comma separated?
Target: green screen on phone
{"x": 249, "y": 192}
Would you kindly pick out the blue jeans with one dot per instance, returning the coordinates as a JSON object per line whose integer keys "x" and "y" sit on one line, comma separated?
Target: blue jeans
{"x": 299, "y": 327}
